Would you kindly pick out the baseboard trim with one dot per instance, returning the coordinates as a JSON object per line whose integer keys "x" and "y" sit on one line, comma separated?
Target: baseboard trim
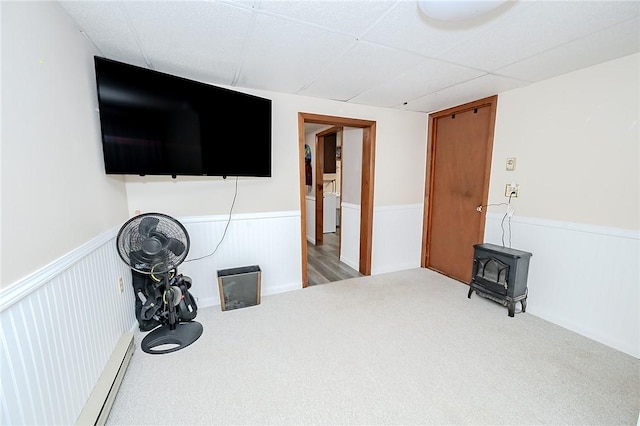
{"x": 239, "y": 216}
{"x": 97, "y": 408}
{"x": 570, "y": 226}
{"x": 215, "y": 301}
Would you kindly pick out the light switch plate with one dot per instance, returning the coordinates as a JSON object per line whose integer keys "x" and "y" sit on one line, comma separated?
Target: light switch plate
{"x": 511, "y": 164}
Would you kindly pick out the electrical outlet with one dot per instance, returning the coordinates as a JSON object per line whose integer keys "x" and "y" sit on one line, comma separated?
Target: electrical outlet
{"x": 121, "y": 284}
{"x": 511, "y": 190}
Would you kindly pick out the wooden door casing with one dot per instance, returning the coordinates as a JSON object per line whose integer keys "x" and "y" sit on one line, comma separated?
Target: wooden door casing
{"x": 319, "y": 193}
{"x": 329, "y": 136}
{"x": 367, "y": 182}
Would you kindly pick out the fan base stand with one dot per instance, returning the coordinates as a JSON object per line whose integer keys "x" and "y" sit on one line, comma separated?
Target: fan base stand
{"x": 184, "y": 334}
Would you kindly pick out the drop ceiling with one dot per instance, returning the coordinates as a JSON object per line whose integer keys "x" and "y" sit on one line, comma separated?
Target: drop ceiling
{"x": 381, "y": 53}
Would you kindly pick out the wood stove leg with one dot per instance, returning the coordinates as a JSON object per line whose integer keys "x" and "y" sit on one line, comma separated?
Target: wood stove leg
{"x": 511, "y": 309}
{"x": 523, "y": 302}
{"x": 470, "y": 291}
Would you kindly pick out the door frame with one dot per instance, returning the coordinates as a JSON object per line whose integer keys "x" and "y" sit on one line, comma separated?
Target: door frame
{"x": 367, "y": 179}
{"x": 319, "y": 188}
{"x": 432, "y": 135}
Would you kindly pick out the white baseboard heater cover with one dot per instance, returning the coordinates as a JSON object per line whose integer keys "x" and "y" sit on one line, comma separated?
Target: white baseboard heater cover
{"x": 98, "y": 406}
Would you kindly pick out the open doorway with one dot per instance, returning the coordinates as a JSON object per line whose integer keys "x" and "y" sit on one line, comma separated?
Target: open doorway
{"x": 366, "y": 186}
{"x": 327, "y": 181}
{"x": 326, "y": 262}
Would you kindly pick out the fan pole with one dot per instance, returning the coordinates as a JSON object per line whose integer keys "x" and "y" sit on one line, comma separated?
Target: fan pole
{"x": 175, "y": 335}
{"x": 169, "y": 297}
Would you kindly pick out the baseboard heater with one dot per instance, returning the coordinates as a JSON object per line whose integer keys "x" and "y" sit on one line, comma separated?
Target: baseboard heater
{"x": 98, "y": 406}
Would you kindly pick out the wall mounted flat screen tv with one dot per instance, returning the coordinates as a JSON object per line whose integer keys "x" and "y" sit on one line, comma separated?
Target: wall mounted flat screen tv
{"x": 157, "y": 124}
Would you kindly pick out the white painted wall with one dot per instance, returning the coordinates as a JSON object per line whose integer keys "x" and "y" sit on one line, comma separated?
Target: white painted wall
{"x": 352, "y": 184}
{"x": 55, "y": 194}
{"x": 310, "y": 139}
{"x": 350, "y": 200}
{"x": 397, "y": 133}
{"x": 351, "y": 165}
{"x": 576, "y": 140}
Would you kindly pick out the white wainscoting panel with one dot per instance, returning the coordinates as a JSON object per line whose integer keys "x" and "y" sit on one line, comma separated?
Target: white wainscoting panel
{"x": 310, "y": 205}
{"x": 269, "y": 240}
{"x": 582, "y": 277}
{"x": 350, "y": 235}
{"x": 59, "y": 327}
{"x": 397, "y": 238}
{"x": 61, "y": 324}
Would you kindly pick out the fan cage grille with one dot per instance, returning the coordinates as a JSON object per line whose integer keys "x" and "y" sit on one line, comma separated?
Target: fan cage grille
{"x": 129, "y": 243}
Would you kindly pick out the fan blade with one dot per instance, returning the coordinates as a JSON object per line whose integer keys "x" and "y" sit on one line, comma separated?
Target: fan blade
{"x": 148, "y": 225}
{"x": 175, "y": 246}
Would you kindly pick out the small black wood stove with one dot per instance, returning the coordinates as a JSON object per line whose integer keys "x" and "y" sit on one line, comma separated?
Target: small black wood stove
{"x": 500, "y": 274}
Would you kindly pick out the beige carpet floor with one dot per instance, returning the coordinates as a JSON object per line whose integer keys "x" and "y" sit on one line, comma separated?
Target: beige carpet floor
{"x": 395, "y": 349}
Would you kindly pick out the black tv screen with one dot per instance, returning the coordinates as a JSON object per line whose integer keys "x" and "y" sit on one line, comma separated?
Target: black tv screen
{"x": 158, "y": 124}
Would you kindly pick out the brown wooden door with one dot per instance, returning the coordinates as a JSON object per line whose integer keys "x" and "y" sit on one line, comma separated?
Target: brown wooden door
{"x": 460, "y": 145}
{"x": 330, "y": 153}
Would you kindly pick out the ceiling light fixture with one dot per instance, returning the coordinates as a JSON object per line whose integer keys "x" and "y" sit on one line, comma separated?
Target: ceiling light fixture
{"x": 457, "y": 10}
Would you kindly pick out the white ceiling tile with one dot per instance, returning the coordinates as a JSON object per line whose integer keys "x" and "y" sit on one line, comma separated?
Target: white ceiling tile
{"x": 429, "y": 76}
{"x": 204, "y": 38}
{"x": 107, "y": 27}
{"x": 538, "y": 27}
{"x": 349, "y": 17}
{"x": 481, "y": 87}
{"x": 614, "y": 42}
{"x": 406, "y": 27}
{"x": 362, "y": 67}
{"x": 284, "y": 56}
{"x": 398, "y": 54}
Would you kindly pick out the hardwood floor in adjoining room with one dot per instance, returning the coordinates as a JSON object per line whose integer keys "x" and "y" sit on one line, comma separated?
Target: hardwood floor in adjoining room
{"x": 324, "y": 264}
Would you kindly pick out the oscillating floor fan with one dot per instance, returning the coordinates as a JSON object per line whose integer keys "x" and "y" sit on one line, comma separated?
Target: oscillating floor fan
{"x": 155, "y": 244}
